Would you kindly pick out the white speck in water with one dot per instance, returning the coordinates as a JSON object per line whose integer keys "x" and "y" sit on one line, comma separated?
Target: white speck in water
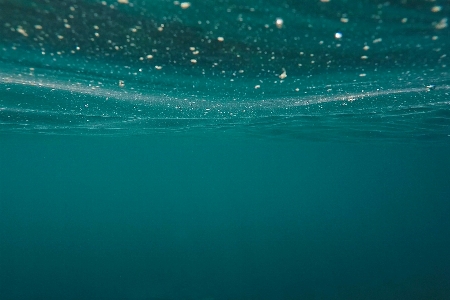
{"x": 279, "y": 22}
{"x": 22, "y": 31}
{"x": 430, "y": 87}
{"x": 436, "y": 8}
{"x": 185, "y": 5}
{"x": 442, "y": 24}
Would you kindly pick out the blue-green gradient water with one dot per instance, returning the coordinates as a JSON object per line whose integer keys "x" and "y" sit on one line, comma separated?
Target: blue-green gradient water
{"x": 224, "y": 149}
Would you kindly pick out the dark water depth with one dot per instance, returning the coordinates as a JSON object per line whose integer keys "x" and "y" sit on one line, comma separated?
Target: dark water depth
{"x": 186, "y": 218}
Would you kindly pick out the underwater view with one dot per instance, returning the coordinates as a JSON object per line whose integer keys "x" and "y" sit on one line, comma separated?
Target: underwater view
{"x": 224, "y": 149}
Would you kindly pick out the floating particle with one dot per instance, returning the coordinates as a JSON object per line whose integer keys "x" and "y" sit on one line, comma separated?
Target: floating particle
{"x": 121, "y": 83}
{"x": 404, "y": 20}
{"x": 123, "y": 1}
{"x": 192, "y": 48}
{"x": 325, "y": 1}
{"x": 362, "y": 75}
{"x": 344, "y": 20}
{"x": 436, "y": 8}
{"x": 220, "y": 39}
{"x": 22, "y": 31}
{"x": 279, "y": 22}
{"x": 297, "y": 89}
{"x": 338, "y": 35}
{"x": 430, "y": 87}
{"x": 38, "y": 27}
{"x": 365, "y": 48}
{"x": 283, "y": 75}
{"x": 149, "y": 56}
{"x": 185, "y": 5}
{"x": 158, "y": 67}
{"x": 257, "y": 86}
{"x": 442, "y": 24}
{"x": 364, "y": 57}
{"x": 434, "y": 38}
{"x": 378, "y": 40}
{"x": 194, "y": 61}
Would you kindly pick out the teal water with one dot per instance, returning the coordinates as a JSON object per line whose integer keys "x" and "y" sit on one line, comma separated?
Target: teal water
{"x": 150, "y": 151}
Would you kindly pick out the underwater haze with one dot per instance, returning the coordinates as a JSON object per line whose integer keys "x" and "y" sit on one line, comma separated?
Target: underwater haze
{"x": 261, "y": 149}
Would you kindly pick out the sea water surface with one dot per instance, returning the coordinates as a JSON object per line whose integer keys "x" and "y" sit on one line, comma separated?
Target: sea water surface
{"x": 224, "y": 149}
